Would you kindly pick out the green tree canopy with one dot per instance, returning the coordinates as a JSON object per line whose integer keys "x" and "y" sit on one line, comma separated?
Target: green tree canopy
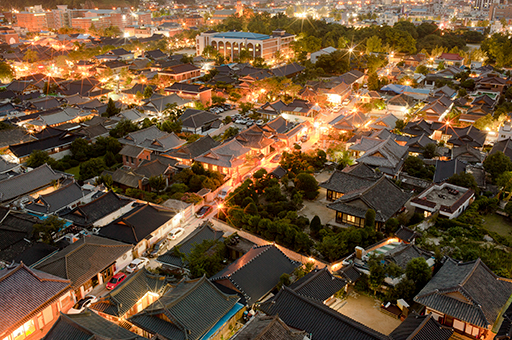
{"x": 307, "y": 185}
{"x": 496, "y": 164}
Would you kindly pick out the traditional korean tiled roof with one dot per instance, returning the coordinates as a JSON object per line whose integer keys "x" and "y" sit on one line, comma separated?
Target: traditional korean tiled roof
{"x": 27, "y": 182}
{"x": 323, "y": 323}
{"x": 257, "y": 271}
{"x": 388, "y": 156}
{"x": 264, "y": 327}
{"x": 194, "y": 149}
{"x": 384, "y": 197}
{"x": 25, "y": 292}
{"x": 83, "y": 259}
{"x": 101, "y": 206}
{"x": 421, "y": 327}
{"x": 345, "y": 182}
{"x": 137, "y": 224}
{"x": 406, "y": 234}
{"x": 119, "y": 301}
{"x": 193, "y": 308}
{"x": 319, "y": 284}
{"x": 58, "y": 199}
{"x": 87, "y": 326}
{"x": 404, "y": 253}
{"x": 468, "y": 291}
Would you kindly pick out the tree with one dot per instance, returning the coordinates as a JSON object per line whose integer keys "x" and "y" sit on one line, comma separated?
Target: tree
{"x": 171, "y": 126}
{"x": 399, "y": 125}
{"x": 48, "y": 228}
{"x": 369, "y": 219}
{"x": 112, "y": 110}
{"x": 430, "y": 151}
{"x": 123, "y": 128}
{"x": 158, "y": 183}
{"x": 508, "y": 209}
{"x": 109, "y": 159}
{"x": 205, "y": 258}
{"x": 496, "y": 164}
{"x": 418, "y": 271}
{"x": 38, "y": 158}
{"x": 91, "y": 168}
{"x": 30, "y": 56}
{"x": 465, "y": 180}
{"x": 6, "y": 72}
{"x": 377, "y": 273}
{"x": 229, "y": 133}
{"x": 373, "y": 44}
{"x": 307, "y": 185}
{"x": 106, "y": 180}
{"x": 148, "y": 92}
{"x": 315, "y": 226}
{"x": 422, "y": 69}
{"x": 80, "y": 149}
{"x": 373, "y": 82}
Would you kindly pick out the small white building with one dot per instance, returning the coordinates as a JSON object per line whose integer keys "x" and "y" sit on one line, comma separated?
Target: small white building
{"x": 447, "y": 199}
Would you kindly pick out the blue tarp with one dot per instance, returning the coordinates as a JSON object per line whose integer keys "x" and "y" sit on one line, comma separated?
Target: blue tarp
{"x": 236, "y": 308}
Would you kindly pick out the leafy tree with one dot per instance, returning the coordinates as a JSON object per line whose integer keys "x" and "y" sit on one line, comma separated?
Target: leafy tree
{"x": 91, "y": 168}
{"x": 148, "y": 92}
{"x": 171, "y": 126}
{"x": 123, "y": 128}
{"x": 465, "y": 180}
{"x": 230, "y": 133}
{"x": 369, "y": 219}
{"x": 307, "y": 185}
{"x": 157, "y": 183}
{"x": 80, "y": 149}
{"x": 422, "y": 69}
{"x": 205, "y": 258}
{"x": 430, "y": 151}
{"x": 399, "y": 125}
{"x": 373, "y": 82}
{"x": 30, "y": 56}
{"x": 38, "y": 158}
{"x": 106, "y": 180}
{"x": 6, "y": 72}
{"x": 373, "y": 44}
{"x": 315, "y": 226}
{"x": 110, "y": 159}
{"x": 414, "y": 166}
{"x": 377, "y": 273}
{"x": 47, "y": 228}
{"x": 112, "y": 110}
{"x": 284, "y": 280}
{"x": 418, "y": 271}
{"x": 508, "y": 209}
{"x": 496, "y": 164}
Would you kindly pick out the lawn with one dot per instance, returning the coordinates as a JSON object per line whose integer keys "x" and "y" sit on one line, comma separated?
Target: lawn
{"x": 74, "y": 171}
{"x": 499, "y": 224}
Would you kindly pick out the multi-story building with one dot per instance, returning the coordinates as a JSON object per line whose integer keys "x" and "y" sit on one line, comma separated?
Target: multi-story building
{"x": 33, "y": 19}
{"x": 86, "y": 23}
{"x": 497, "y": 12}
{"x": 229, "y": 44}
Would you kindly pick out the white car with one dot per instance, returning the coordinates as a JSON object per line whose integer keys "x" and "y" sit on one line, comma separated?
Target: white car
{"x": 137, "y": 264}
{"x": 175, "y": 233}
{"x": 83, "y": 304}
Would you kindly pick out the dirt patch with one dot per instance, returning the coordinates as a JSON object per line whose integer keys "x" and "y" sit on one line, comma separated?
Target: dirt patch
{"x": 366, "y": 310}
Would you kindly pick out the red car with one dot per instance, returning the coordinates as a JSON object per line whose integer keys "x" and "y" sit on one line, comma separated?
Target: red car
{"x": 205, "y": 210}
{"x": 116, "y": 280}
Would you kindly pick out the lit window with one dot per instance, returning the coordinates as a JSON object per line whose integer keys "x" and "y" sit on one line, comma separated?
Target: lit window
{"x": 19, "y": 334}
{"x": 214, "y": 167}
{"x": 351, "y": 218}
{"x": 29, "y": 327}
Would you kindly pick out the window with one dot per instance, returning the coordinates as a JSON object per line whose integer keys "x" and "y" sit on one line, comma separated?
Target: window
{"x": 18, "y": 334}
{"x": 214, "y": 167}
{"x": 351, "y": 218}
{"x": 29, "y": 327}
{"x": 48, "y": 315}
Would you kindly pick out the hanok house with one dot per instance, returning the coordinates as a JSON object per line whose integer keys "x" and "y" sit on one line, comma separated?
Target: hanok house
{"x": 199, "y": 121}
{"x": 87, "y": 325}
{"x": 227, "y": 158}
{"x": 193, "y": 310}
{"x": 388, "y": 156}
{"x": 322, "y": 322}
{"x": 467, "y": 296}
{"x": 190, "y": 91}
{"x": 133, "y": 155}
{"x": 103, "y": 209}
{"x": 418, "y": 327}
{"x": 256, "y": 273}
{"x": 142, "y": 226}
{"x": 133, "y": 295}
{"x": 269, "y": 327}
{"x": 88, "y": 262}
{"x": 187, "y": 153}
{"x": 31, "y": 301}
{"x": 383, "y": 196}
{"x": 447, "y": 199}
{"x": 182, "y": 72}
{"x": 320, "y": 285}
{"x": 349, "y": 179}
{"x": 153, "y": 139}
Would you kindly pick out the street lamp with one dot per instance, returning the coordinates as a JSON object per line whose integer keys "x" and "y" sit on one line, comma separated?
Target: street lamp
{"x": 219, "y": 207}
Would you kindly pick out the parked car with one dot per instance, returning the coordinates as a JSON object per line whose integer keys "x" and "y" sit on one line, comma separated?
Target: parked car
{"x": 204, "y": 210}
{"x": 175, "y": 233}
{"x": 137, "y": 264}
{"x": 116, "y": 280}
{"x": 276, "y": 158}
{"x": 223, "y": 194}
{"x": 158, "y": 248}
{"x": 346, "y": 101}
{"x": 260, "y": 122}
{"x": 83, "y": 304}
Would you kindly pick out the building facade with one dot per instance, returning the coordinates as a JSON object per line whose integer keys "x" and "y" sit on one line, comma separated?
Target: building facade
{"x": 229, "y": 44}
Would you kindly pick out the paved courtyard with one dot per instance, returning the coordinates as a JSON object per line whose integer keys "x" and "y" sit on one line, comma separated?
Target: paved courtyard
{"x": 366, "y": 310}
